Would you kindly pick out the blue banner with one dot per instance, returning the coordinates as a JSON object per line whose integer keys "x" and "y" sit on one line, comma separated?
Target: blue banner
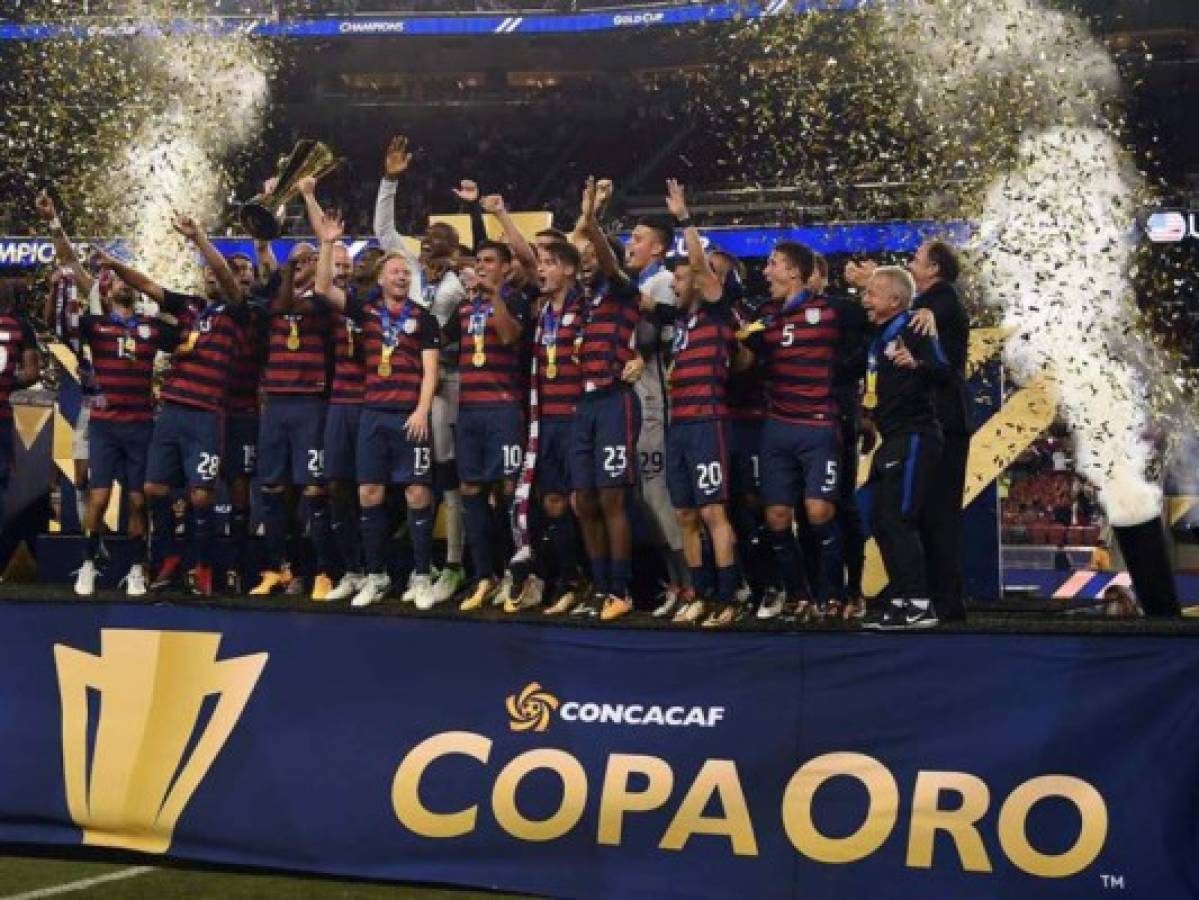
{"x": 586, "y": 762}
{"x": 891, "y": 237}
{"x": 397, "y": 26}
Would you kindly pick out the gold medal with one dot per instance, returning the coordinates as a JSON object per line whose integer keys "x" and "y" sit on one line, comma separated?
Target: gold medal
{"x": 293, "y": 339}
{"x": 479, "y": 359}
{"x": 129, "y": 347}
{"x": 385, "y": 362}
{"x": 870, "y": 401}
{"x": 551, "y": 371}
{"x": 189, "y": 344}
{"x": 551, "y": 361}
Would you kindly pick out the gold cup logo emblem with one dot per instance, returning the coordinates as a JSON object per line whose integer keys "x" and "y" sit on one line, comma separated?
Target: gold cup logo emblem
{"x": 132, "y": 786}
{"x": 531, "y": 709}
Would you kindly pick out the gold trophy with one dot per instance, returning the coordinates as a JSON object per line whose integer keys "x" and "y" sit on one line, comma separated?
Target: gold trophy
{"x": 128, "y": 786}
{"x": 260, "y": 216}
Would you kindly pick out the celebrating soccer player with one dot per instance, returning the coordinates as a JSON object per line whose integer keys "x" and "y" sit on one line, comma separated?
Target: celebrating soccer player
{"x": 400, "y": 342}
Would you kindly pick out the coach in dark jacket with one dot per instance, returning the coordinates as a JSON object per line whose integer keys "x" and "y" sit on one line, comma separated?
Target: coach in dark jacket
{"x": 935, "y": 269}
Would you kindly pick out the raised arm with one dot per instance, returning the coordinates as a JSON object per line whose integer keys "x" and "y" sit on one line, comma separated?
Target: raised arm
{"x": 137, "y": 280}
{"x": 395, "y": 164}
{"x": 494, "y": 204}
{"x": 710, "y": 287}
{"x": 468, "y": 192}
{"x": 62, "y": 244}
{"x": 604, "y": 257}
{"x": 603, "y": 193}
{"x": 328, "y": 229}
{"x": 190, "y": 229}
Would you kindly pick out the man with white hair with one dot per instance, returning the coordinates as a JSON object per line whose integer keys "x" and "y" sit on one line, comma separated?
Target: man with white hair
{"x": 903, "y": 370}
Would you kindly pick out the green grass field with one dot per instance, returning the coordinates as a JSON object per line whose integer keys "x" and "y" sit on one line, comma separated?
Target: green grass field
{"x": 33, "y": 878}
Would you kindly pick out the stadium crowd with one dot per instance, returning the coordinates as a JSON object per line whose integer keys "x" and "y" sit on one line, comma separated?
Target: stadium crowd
{"x": 536, "y": 389}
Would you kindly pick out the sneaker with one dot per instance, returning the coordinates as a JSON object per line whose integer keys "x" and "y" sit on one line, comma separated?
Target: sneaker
{"x": 482, "y": 591}
{"x": 570, "y": 598}
{"x": 85, "y": 580}
{"x": 530, "y": 595}
{"x": 772, "y": 604}
{"x": 722, "y": 617}
{"x": 322, "y": 586}
{"x": 422, "y": 591}
{"x": 449, "y": 582}
{"x": 667, "y": 601}
{"x": 168, "y": 572}
{"x": 271, "y": 582}
{"x": 918, "y": 615}
{"x": 615, "y": 608}
{"x": 135, "y": 581}
{"x": 691, "y": 613}
{"x": 374, "y": 588}
{"x": 884, "y": 615}
{"x": 199, "y": 581}
{"x": 349, "y": 585}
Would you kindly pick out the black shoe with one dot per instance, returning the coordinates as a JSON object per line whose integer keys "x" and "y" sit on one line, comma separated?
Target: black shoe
{"x": 918, "y": 615}
{"x": 883, "y": 615}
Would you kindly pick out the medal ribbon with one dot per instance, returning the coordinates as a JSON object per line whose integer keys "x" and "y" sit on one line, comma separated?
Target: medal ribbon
{"x": 478, "y": 330}
{"x": 894, "y": 327}
{"x": 391, "y": 333}
{"x": 127, "y": 345}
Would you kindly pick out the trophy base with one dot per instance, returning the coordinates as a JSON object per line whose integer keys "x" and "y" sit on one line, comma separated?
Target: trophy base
{"x": 260, "y": 222}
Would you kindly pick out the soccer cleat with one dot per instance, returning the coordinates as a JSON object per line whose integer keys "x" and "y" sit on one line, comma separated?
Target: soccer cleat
{"x": 272, "y": 581}
{"x": 482, "y": 591}
{"x": 530, "y": 595}
{"x": 322, "y": 586}
{"x": 507, "y": 586}
{"x": 918, "y": 615}
{"x": 690, "y": 613}
{"x": 135, "y": 581}
{"x": 589, "y": 607}
{"x": 567, "y": 600}
{"x": 723, "y": 617}
{"x": 615, "y": 608}
{"x": 199, "y": 581}
{"x": 451, "y": 580}
{"x": 167, "y": 573}
{"x": 669, "y": 599}
{"x": 422, "y": 591}
{"x": 772, "y": 604}
{"x": 374, "y": 588}
{"x": 409, "y": 589}
{"x": 85, "y": 580}
{"x": 349, "y": 585}
{"x": 884, "y": 615}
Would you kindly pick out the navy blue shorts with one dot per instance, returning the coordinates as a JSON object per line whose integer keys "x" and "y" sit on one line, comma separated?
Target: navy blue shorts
{"x": 290, "y": 433}
{"x": 490, "y": 443}
{"x": 553, "y": 456}
{"x": 241, "y": 445}
{"x": 117, "y": 453}
{"x": 341, "y": 441}
{"x": 604, "y": 448}
{"x": 697, "y": 463}
{"x": 745, "y": 457}
{"x": 799, "y": 462}
{"x": 384, "y": 453}
{"x": 185, "y": 448}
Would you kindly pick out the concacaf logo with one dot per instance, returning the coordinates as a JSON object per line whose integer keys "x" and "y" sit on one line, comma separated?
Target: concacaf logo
{"x": 531, "y": 709}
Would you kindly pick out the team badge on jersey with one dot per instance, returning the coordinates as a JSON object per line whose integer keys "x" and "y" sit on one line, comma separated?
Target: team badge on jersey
{"x": 813, "y": 316}
{"x": 143, "y": 332}
{"x": 410, "y": 326}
